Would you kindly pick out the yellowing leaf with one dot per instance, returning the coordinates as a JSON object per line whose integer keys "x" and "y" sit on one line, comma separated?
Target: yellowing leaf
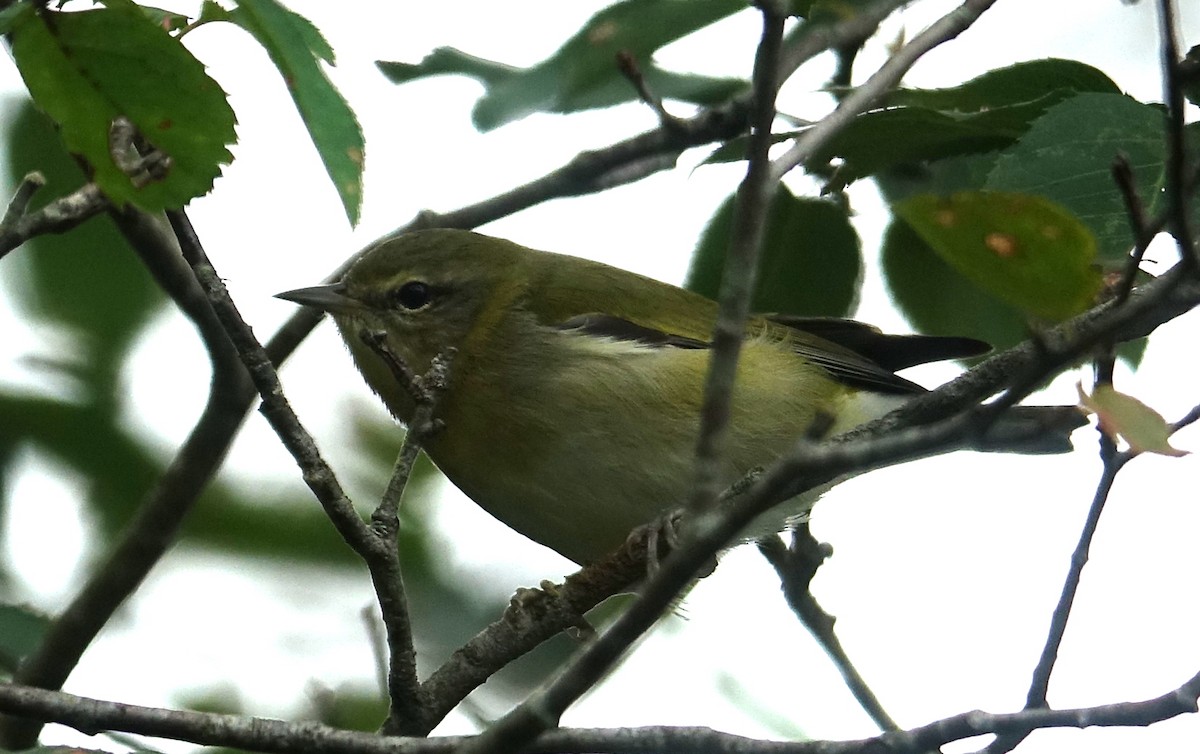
{"x": 1025, "y": 250}
{"x": 1125, "y": 416}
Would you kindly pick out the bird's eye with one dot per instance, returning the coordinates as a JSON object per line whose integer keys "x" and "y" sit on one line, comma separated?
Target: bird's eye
{"x": 413, "y": 295}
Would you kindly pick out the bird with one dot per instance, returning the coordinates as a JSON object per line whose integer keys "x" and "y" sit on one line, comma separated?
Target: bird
{"x": 571, "y": 408}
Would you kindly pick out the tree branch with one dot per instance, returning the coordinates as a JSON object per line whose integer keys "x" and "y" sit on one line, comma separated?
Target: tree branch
{"x": 375, "y": 544}
{"x": 156, "y": 525}
{"x": 741, "y": 267}
{"x": 58, "y": 216}
{"x": 1178, "y": 167}
{"x": 888, "y": 76}
{"x": 1039, "y": 684}
{"x": 880, "y": 443}
{"x": 316, "y": 473}
{"x": 544, "y": 708}
{"x": 259, "y": 734}
{"x": 407, "y": 713}
{"x": 796, "y": 565}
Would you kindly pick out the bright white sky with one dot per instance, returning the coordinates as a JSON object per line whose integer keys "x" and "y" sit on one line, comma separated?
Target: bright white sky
{"x": 945, "y": 571}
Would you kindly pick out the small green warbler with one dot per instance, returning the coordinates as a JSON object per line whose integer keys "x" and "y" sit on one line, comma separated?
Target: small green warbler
{"x": 571, "y": 412}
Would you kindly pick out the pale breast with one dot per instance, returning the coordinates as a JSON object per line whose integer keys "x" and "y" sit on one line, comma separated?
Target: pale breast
{"x": 611, "y": 444}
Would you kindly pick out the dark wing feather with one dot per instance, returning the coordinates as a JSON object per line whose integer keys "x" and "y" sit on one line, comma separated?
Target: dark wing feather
{"x": 850, "y": 368}
{"x": 608, "y": 326}
{"x": 851, "y": 352}
{"x": 892, "y": 352}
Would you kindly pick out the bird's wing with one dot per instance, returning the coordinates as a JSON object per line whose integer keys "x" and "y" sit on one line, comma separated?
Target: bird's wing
{"x": 609, "y": 326}
{"x": 842, "y": 363}
{"x": 892, "y": 352}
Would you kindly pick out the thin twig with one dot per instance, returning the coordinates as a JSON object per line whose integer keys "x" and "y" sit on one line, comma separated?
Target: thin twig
{"x": 1113, "y": 462}
{"x": 155, "y": 526}
{"x": 544, "y": 708}
{"x": 426, "y": 390}
{"x": 379, "y": 554}
{"x": 58, "y": 216}
{"x": 811, "y": 39}
{"x": 407, "y": 711}
{"x": 889, "y": 74}
{"x": 1039, "y": 684}
{"x": 796, "y": 565}
{"x": 1140, "y": 226}
{"x": 641, "y": 155}
{"x": 741, "y": 268}
{"x": 18, "y": 207}
{"x": 1177, "y": 166}
{"x": 627, "y": 64}
{"x": 279, "y": 414}
{"x": 1188, "y": 419}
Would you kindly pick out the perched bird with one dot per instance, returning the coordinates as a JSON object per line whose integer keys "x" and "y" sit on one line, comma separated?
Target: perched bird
{"x": 571, "y": 411}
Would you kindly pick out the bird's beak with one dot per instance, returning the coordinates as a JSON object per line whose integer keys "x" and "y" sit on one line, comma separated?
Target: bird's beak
{"x": 329, "y": 298}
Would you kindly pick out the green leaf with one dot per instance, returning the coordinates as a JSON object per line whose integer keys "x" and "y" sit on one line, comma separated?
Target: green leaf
{"x": 89, "y": 439}
{"x": 1189, "y": 75}
{"x": 287, "y": 525}
{"x": 119, "y": 472}
{"x": 296, "y": 46}
{"x": 737, "y": 148}
{"x": 347, "y": 709}
{"x": 799, "y": 8}
{"x": 985, "y": 114}
{"x": 167, "y": 19}
{"x": 21, "y": 630}
{"x": 87, "y": 68}
{"x": 989, "y": 112}
{"x": 211, "y": 11}
{"x": 811, "y": 262}
{"x": 541, "y": 89}
{"x": 11, "y": 15}
{"x": 943, "y": 177}
{"x": 939, "y": 301}
{"x": 1024, "y": 249}
{"x": 583, "y": 73}
{"x": 1067, "y": 157}
{"x": 86, "y": 280}
{"x": 448, "y": 60}
{"x": 883, "y": 139}
{"x": 1012, "y": 85}
{"x": 223, "y": 699}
